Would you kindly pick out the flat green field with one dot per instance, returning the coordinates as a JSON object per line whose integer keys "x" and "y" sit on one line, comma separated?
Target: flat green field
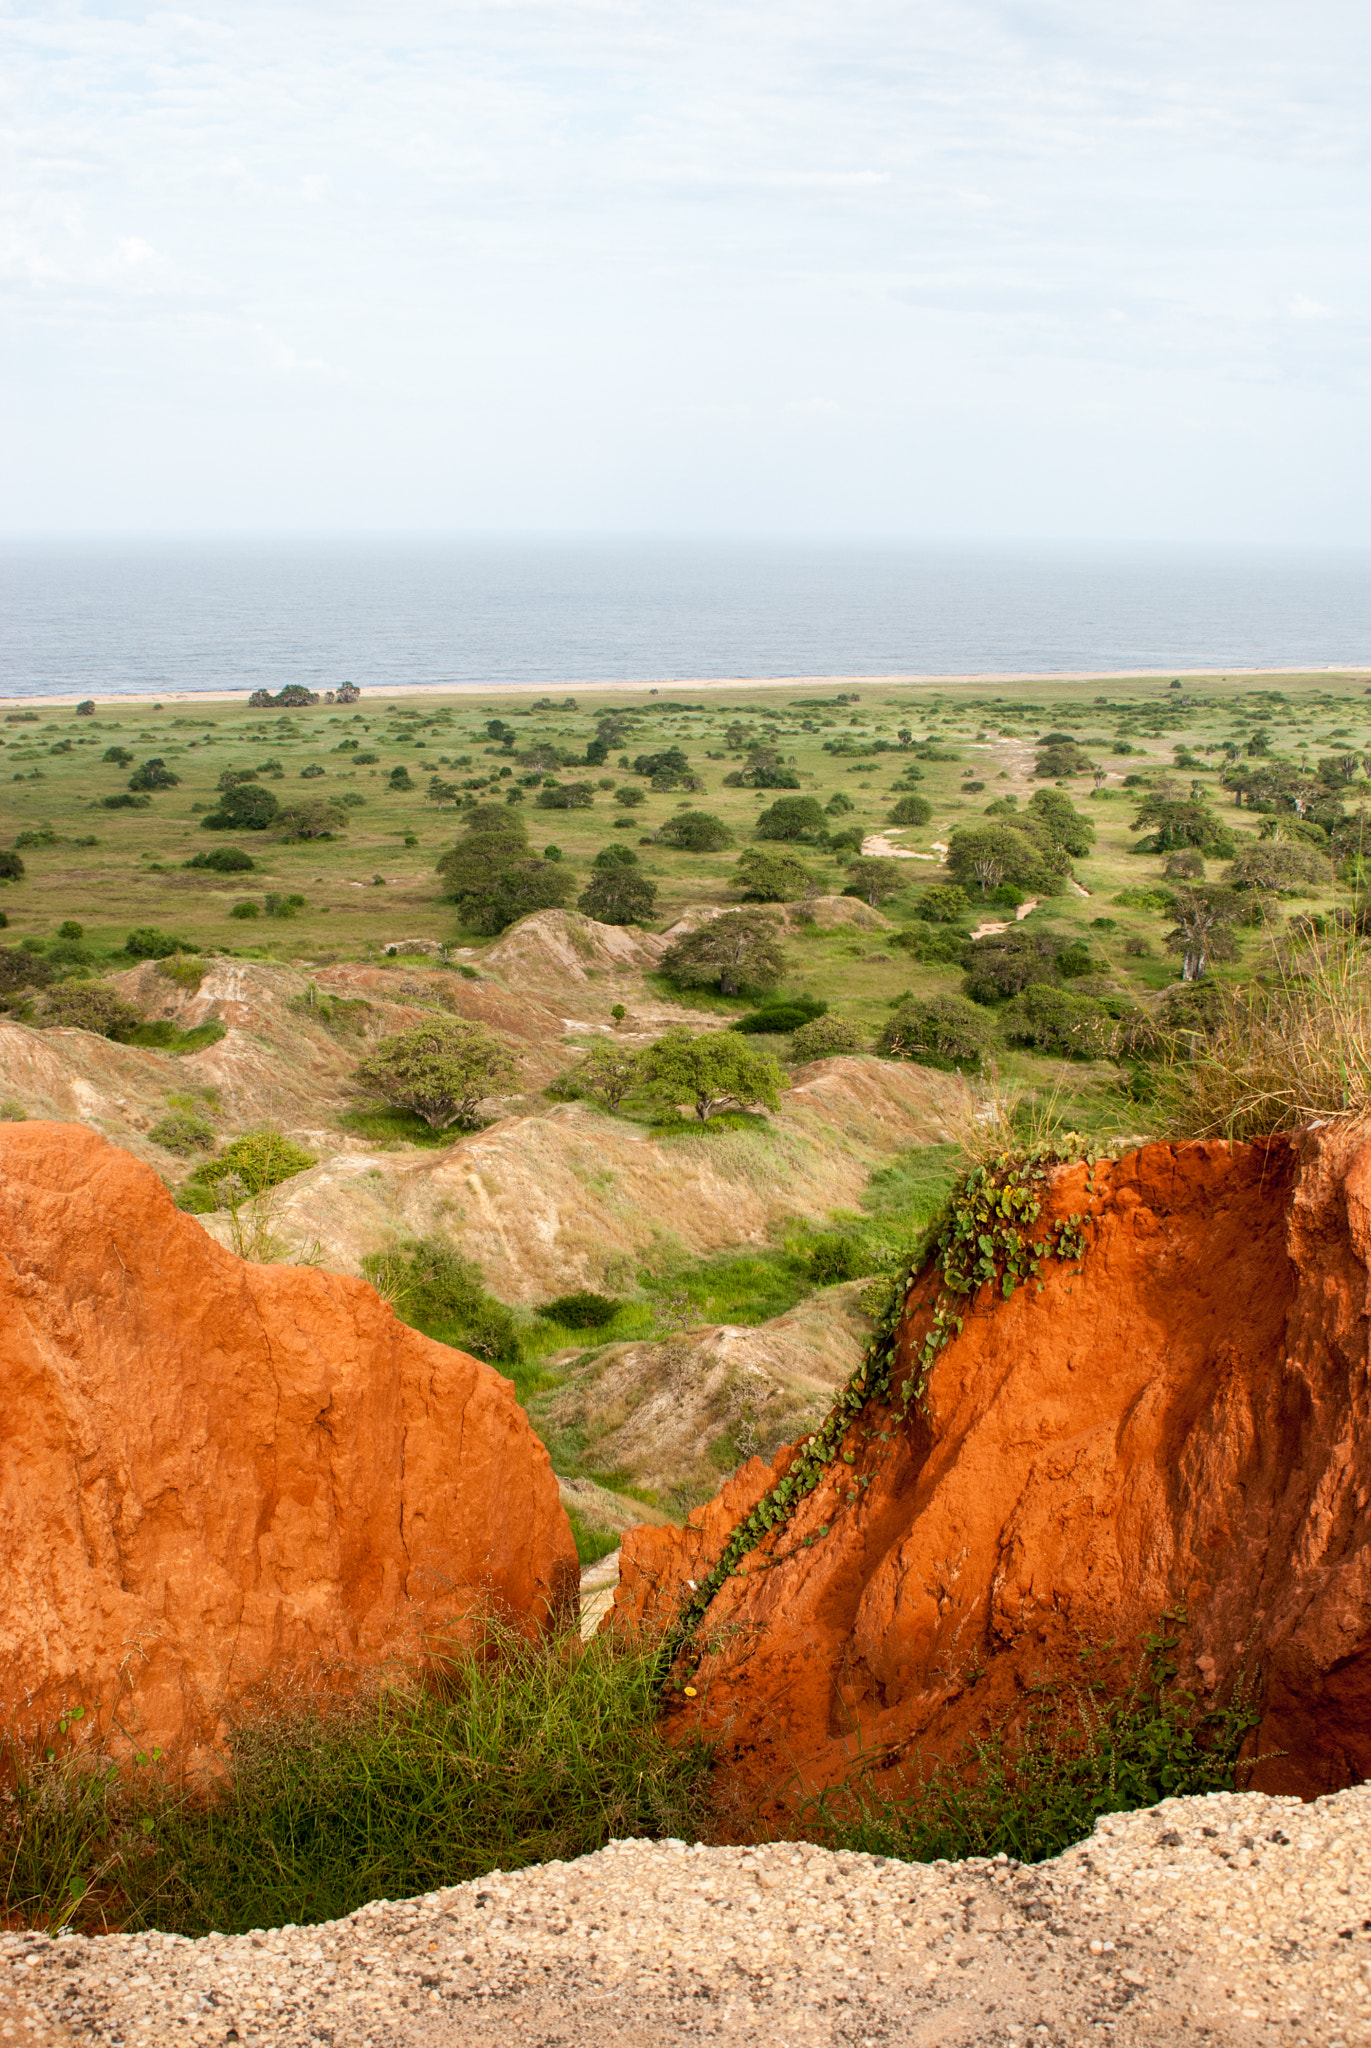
{"x": 965, "y": 746}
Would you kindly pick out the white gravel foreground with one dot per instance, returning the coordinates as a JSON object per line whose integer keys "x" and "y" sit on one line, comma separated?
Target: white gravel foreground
{"x": 1238, "y": 1918}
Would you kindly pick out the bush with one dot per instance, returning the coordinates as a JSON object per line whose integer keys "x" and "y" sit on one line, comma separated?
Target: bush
{"x": 283, "y": 906}
{"x": 11, "y": 867}
{"x": 222, "y": 860}
{"x": 91, "y": 1006}
{"x": 932, "y": 945}
{"x": 124, "y": 802}
{"x": 154, "y": 774}
{"x": 312, "y": 817}
{"x": 1278, "y": 866}
{"x": 182, "y": 1131}
{"x": 246, "y": 908}
{"x": 1053, "y": 817}
{"x": 258, "y": 1160}
{"x": 910, "y": 810}
{"x": 492, "y": 876}
{"x": 432, "y": 1287}
{"x": 581, "y": 1311}
{"x": 246, "y": 808}
{"x": 825, "y": 1038}
{"x": 442, "y": 1071}
{"x": 936, "y": 1031}
{"x": 792, "y": 818}
{"x": 120, "y": 756}
{"x": 740, "y": 949}
{"x": 1137, "y": 949}
{"x": 145, "y": 942}
{"x": 185, "y": 969}
{"x": 834, "y": 1257}
{"x": 786, "y": 1013}
{"x": 617, "y": 893}
{"x": 605, "y": 1075}
{"x": 20, "y": 969}
{"x": 630, "y": 796}
{"x": 1006, "y": 963}
{"x": 764, "y": 874}
{"x": 1061, "y": 1023}
{"x": 566, "y": 796}
{"x": 874, "y": 880}
{"x": 695, "y": 832}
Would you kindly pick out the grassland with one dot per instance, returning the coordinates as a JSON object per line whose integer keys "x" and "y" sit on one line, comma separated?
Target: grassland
{"x": 112, "y": 870}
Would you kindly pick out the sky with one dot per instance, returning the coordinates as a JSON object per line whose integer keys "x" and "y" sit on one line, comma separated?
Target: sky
{"x": 952, "y": 269}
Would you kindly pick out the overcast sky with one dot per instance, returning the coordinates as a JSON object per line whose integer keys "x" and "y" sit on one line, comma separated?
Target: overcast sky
{"x": 942, "y": 268}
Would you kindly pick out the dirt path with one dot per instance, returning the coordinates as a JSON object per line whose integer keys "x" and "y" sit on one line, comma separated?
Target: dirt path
{"x": 1209, "y": 1921}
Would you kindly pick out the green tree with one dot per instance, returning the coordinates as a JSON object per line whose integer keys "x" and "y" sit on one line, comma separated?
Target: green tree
{"x": 740, "y": 949}
{"x": 766, "y": 875}
{"x": 712, "y": 1071}
{"x": 937, "y": 1031}
{"x": 1060, "y": 1023}
{"x": 1016, "y": 856}
{"x": 825, "y": 1037}
{"x": 91, "y": 1006}
{"x": 1284, "y": 868}
{"x": 792, "y": 818}
{"x": 1182, "y": 821}
{"x": 312, "y": 817}
{"x": 245, "y": 808}
{"x": 154, "y": 774}
{"x": 695, "y": 832}
{"x": 258, "y": 1160}
{"x": 607, "y": 1074}
{"x": 11, "y": 867}
{"x": 1203, "y": 930}
{"x": 1052, "y": 818}
{"x": 566, "y": 796}
{"x": 492, "y": 876}
{"x": 442, "y": 1071}
{"x": 942, "y": 903}
{"x": 874, "y": 880}
{"x": 1005, "y": 963}
{"x": 910, "y": 810}
{"x": 618, "y": 893}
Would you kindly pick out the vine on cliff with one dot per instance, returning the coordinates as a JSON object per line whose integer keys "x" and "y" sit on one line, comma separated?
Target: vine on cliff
{"x": 984, "y": 1237}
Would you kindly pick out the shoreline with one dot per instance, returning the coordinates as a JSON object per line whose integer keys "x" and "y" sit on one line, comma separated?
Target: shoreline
{"x": 904, "y": 680}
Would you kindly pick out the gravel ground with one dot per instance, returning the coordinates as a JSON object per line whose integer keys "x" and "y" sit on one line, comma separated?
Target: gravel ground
{"x": 1230, "y": 1919}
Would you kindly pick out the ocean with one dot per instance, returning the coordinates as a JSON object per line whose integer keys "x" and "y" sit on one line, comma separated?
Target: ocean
{"x": 133, "y": 616}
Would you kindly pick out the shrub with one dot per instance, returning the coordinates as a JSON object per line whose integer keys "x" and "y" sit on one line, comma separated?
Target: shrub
{"x": 246, "y": 908}
{"x": 739, "y": 949}
{"x": 11, "y": 867}
{"x": 283, "y": 906}
{"x": 125, "y": 802}
{"x": 442, "y": 1071}
{"x": 874, "y": 880}
{"x": 312, "y": 771}
{"x": 1278, "y": 866}
{"x": 222, "y": 860}
{"x": 1059, "y": 1022}
{"x": 781, "y": 1014}
{"x": 766, "y": 875}
{"x": 695, "y": 832}
{"x": 1179, "y": 822}
{"x": 183, "y": 1131}
{"x": 825, "y": 1038}
{"x": 154, "y": 774}
{"x": 120, "y": 756}
{"x": 246, "y": 808}
{"x": 431, "y": 1286}
{"x": 792, "y": 818}
{"x": 1137, "y": 949}
{"x": 606, "y": 1074}
{"x": 910, "y": 810}
{"x": 145, "y": 942}
{"x": 932, "y": 945}
{"x": 630, "y": 796}
{"x": 183, "y": 968}
{"x": 258, "y": 1160}
{"x": 1053, "y": 818}
{"x": 566, "y": 796}
{"x": 86, "y": 708}
{"x": 312, "y": 817}
{"x": 835, "y": 1256}
{"x": 941, "y": 904}
{"x": 936, "y": 1031}
{"x": 91, "y": 1006}
{"x": 1005, "y": 963}
{"x": 713, "y": 1071}
{"x": 20, "y": 969}
{"x": 400, "y": 778}
{"x": 583, "y": 1311}
{"x": 492, "y": 877}
{"x": 294, "y": 696}
{"x": 839, "y": 804}
{"x": 1187, "y": 865}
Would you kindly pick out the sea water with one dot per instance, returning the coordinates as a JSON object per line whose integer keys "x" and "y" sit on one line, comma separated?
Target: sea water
{"x": 101, "y": 618}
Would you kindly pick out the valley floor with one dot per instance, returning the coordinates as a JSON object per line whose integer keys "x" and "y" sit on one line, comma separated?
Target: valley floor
{"x": 1222, "y": 1920}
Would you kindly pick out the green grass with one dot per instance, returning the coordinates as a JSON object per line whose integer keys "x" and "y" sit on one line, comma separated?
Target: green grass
{"x": 386, "y": 1128}
{"x": 1108, "y": 1742}
{"x": 519, "y": 1754}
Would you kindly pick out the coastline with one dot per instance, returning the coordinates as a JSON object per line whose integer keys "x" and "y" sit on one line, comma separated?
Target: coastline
{"x": 905, "y": 680}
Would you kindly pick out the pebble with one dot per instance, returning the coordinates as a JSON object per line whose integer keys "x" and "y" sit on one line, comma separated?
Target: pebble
{"x": 1240, "y": 1918}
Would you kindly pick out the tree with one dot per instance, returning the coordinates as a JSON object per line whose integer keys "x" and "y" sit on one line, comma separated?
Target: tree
{"x": 824, "y": 1038}
{"x": 792, "y": 818}
{"x": 442, "y": 1071}
{"x": 313, "y": 817}
{"x": 910, "y": 810}
{"x": 120, "y": 756}
{"x": 1052, "y": 817}
{"x": 938, "y": 1031}
{"x": 1059, "y": 756}
{"x": 713, "y": 1070}
{"x": 86, "y": 708}
{"x": 1203, "y": 930}
{"x": 154, "y": 774}
{"x": 1019, "y": 859}
{"x": 400, "y": 777}
{"x": 1060, "y": 1023}
{"x": 766, "y": 875}
{"x": 695, "y": 832}
{"x": 989, "y": 872}
{"x": 246, "y": 808}
{"x": 11, "y": 867}
{"x": 618, "y": 893}
{"x": 1005, "y": 963}
{"x": 873, "y": 880}
{"x": 606, "y": 1074}
{"x": 1285, "y": 869}
{"x": 518, "y": 890}
{"x": 20, "y": 970}
{"x": 1180, "y": 821}
{"x": 741, "y": 948}
{"x": 566, "y": 796}
{"x": 763, "y": 769}
{"x": 630, "y": 796}
{"x": 941, "y": 903}
{"x": 492, "y": 876}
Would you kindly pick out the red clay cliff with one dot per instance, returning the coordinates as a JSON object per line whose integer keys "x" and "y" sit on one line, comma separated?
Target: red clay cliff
{"x": 1183, "y": 1422}
{"x": 214, "y": 1474}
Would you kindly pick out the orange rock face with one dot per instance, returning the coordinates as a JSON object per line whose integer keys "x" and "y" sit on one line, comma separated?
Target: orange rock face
{"x": 214, "y": 1474}
{"x": 1182, "y": 1423}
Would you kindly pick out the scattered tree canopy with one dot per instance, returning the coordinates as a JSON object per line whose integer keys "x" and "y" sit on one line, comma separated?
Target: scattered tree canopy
{"x": 712, "y": 1071}
{"x": 442, "y": 1071}
{"x": 739, "y": 950}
